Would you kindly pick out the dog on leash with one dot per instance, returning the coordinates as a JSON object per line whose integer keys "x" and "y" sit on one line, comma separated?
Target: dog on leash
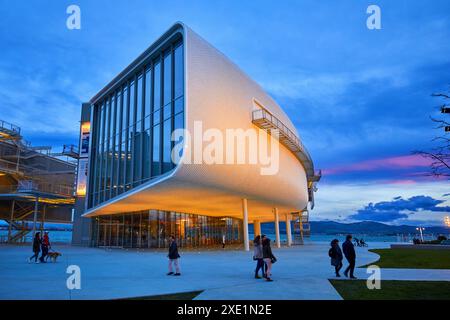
{"x": 53, "y": 256}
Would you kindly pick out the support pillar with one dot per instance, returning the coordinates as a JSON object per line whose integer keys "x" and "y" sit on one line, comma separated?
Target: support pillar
{"x": 44, "y": 210}
{"x": 245, "y": 224}
{"x": 288, "y": 230}
{"x": 36, "y": 204}
{"x": 277, "y": 228}
{"x": 11, "y": 220}
{"x": 257, "y": 228}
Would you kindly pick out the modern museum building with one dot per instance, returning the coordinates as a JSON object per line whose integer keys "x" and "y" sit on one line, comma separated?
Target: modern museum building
{"x": 139, "y": 183}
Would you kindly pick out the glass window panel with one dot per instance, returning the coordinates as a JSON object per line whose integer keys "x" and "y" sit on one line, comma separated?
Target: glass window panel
{"x": 179, "y": 121}
{"x": 179, "y": 105}
{"x": 129, "y": 175}
{"x": 118, "y": 111}
{"x": 156, "y": 117}
{"x": 113, "y": 155}
{"x": 167, "y": 111}
{"x": 167, "y": 145}
{"x": 157, "y": 86}
{"x": 156, "y": 149}
{"x": 146, "y": 154}
{"x": 132, "y": 111}
{"x": 167, "y": 78}
{"x": 179, "y": 71}
{"x": 125, "y": 114}
{"x": 148, "y": 93}
{"x": 139, "y": 109}
{"x": 123, "y": 164}
{"x": 137, "y": 155}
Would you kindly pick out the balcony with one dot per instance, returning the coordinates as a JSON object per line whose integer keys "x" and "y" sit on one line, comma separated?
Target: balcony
{"x": 267, "y": 121}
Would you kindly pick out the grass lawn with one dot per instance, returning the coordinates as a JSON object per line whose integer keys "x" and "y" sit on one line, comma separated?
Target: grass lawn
{"x": 393, "y": 290}
{"x": 413, "y": 258}
{"x": 174, "y": 296}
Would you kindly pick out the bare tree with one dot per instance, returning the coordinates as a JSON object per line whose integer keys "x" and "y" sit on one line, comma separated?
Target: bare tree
{"x": 440, "y": 155}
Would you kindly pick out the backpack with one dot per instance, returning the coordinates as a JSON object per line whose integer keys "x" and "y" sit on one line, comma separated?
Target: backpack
{"x": 331, "y": 253}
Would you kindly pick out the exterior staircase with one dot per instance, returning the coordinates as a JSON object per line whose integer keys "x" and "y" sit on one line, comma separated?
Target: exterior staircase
{"x": 18, "y": 225}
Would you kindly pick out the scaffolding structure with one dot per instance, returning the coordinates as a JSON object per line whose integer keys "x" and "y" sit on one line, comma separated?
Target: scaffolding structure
{"x": 302, "y": 227}
{"x": 36, "y": 185}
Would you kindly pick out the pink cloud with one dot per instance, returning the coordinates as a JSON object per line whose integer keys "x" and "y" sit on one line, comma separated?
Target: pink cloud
{"x": 401, "y": 162}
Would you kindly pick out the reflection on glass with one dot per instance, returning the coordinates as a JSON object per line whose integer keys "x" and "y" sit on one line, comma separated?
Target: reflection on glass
{"x": 152, "y": 228}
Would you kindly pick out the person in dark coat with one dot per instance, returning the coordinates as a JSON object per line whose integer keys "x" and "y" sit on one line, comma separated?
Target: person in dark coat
{"x": 350, "y": 255}
{"x": 336, "y": 256}
{"x": 45, "y": 245}
{"x": 173, "y": 257}
{"x": 36, "y": 247}
{"x": 258, "y": 256}
{"x": 268, "y": 257}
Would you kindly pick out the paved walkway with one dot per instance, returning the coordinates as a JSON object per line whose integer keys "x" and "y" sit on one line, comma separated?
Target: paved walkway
{"x": 301, "y": 272}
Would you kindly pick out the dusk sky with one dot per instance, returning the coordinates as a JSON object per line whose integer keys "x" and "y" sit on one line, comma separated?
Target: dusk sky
{"x": 360, "y": 98}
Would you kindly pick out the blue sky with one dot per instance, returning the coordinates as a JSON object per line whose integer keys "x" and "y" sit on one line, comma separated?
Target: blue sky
{"x": 360, "y": 98}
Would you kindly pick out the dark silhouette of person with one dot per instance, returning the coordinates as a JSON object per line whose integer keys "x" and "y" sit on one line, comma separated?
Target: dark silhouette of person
{"x": 258, "y": 256}
{"x": 45, "y": 245}
{"x": 336, "y": 256}
{"x": 36, "y": 247}
{"x": 350, "y": 255}
{"x": 173, "y": 257}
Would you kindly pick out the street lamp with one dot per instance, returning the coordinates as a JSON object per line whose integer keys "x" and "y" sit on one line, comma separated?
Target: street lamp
{"x": 421, "y": 229}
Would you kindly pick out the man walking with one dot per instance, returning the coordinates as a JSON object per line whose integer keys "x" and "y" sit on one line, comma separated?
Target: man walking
{"x": 350, "y": 255}
{"x": 173, "y": 257}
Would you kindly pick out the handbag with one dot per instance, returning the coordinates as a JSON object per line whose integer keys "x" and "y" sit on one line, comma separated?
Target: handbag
{"x": 273, "y": 260}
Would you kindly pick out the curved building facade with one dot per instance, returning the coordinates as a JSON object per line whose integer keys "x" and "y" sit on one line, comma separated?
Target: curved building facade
{"x": 145, "y": 182}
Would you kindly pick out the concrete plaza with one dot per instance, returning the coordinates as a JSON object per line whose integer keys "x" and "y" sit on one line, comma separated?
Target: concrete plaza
{"x": 302, "y": 272}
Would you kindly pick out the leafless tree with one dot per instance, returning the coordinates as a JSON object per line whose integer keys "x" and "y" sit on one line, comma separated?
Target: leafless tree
{"x": 440, "y": 155}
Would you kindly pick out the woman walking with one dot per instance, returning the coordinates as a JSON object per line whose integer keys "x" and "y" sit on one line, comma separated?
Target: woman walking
{"x": 45, "y": 245}
{"x": 36, "y": 247}
{"x": 336, "y": 256}
{"x": 258, "y": 256}
{"x": 268, "y": 257}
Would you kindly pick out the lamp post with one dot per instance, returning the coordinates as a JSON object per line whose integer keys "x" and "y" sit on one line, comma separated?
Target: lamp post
{"x": 447, "y": 221}
{"x": 420, "y": 229}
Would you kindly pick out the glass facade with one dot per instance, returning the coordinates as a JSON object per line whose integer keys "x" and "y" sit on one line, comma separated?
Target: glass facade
{"x": 152, "y": 229}
{"x": 132, "y": 125}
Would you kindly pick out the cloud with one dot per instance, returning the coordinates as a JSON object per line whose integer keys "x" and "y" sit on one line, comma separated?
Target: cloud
{"x": 400, "y": 162}
{"x": 399, "y": 208}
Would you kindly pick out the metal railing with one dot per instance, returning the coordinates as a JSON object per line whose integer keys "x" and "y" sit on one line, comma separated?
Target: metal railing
{"x": 8, "y": 166}
{"x": 284, "y": 130}
{"x": 4, "y": 125}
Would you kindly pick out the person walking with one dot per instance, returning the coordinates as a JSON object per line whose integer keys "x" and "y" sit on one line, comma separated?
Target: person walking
{"x": 350, "y": 255}
{"x": 223, "y": 241}
{"x": 173, "y": 257}
{"x": 36, "y": 247}
{"x": 45, "y": 245}
{"x": 258, "y": 256}
{"x": 268, "y": 257}
{"x": 336, "y": 256}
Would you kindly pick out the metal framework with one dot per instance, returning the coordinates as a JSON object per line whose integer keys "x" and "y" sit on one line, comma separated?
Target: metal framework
{"x": 302, "y": 227}
{"x": 36, "y": 185}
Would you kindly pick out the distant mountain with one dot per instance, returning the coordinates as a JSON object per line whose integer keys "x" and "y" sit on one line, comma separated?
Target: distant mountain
{"x": 364, "y": 227}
